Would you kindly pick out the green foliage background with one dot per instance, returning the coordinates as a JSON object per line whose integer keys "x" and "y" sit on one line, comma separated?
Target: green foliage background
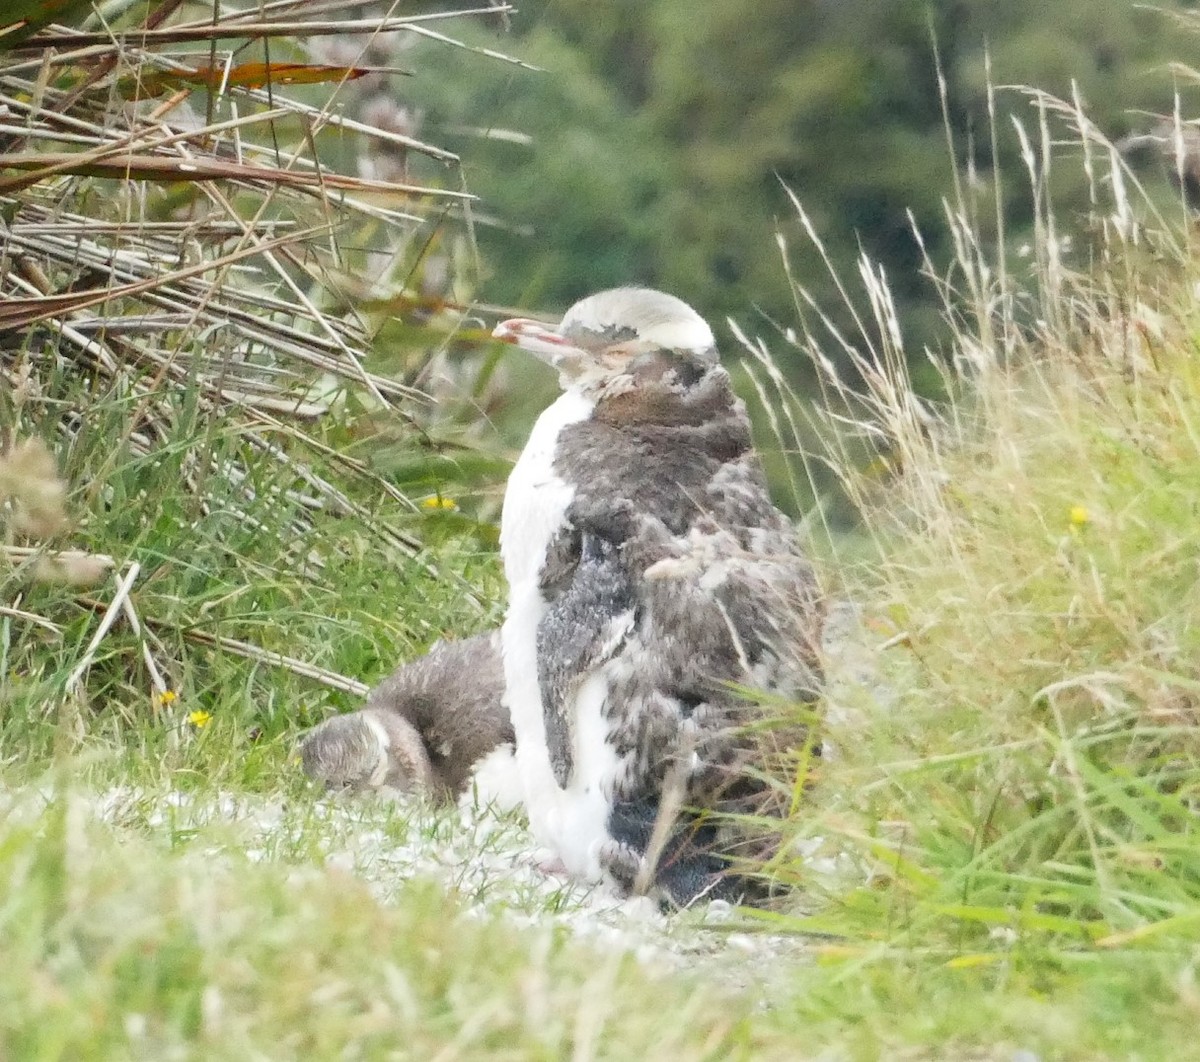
{"x": 662, "y": 133}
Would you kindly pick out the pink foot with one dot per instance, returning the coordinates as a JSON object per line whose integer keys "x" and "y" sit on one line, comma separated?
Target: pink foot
{"x": 550, "y": 864}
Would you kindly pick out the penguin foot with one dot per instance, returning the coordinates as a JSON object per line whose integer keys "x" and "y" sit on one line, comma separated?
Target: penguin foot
{"x": 624, "y": 864}
{"x": 550, "y": 864}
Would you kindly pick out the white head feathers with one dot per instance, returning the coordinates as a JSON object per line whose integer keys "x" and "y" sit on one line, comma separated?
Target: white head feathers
{"x": 629, "y": 320}
{"x": 654, "y": 316}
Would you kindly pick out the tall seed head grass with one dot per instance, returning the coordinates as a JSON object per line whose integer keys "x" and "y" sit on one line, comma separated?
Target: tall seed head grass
{"x": 1017, "y": 761}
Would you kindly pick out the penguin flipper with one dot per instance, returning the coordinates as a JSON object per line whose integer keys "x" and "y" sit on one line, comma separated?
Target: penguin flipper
{"x": 583, "y": 627}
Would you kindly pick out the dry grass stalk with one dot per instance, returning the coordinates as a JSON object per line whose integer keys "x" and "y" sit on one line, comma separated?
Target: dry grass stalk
{"x": 181, "y": 226}
{"x": 264, "y": 656}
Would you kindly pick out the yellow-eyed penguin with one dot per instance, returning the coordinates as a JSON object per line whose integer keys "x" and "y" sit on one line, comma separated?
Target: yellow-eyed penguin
{"x": 648, "y": 572}
{"x": 430, "y": 727}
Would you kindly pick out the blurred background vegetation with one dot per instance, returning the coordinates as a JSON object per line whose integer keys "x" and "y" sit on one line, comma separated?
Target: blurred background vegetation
{"x": 660, "y": 135}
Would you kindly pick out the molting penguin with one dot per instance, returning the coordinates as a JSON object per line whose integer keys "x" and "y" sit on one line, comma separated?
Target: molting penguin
{"x": 648, "y": 571}
{"x": 431, "y": 726}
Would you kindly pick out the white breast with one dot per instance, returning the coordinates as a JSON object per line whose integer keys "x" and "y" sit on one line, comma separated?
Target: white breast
{"x": 535, "y": 505}
{"x": 580, "y": 823}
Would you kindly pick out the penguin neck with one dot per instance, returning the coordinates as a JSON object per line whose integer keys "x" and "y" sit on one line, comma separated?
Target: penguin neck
{"x": 536, "y": 497}
{"x": 670, "y": 400}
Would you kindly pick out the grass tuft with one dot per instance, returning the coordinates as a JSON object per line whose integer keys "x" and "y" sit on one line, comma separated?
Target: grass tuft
{"x": 197, "y": 521}
{"x": 117, "y": 946}
{"x": 1004, "y": 839}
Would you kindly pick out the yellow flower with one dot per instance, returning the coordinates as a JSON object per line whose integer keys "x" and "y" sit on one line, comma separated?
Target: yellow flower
{"x": 167, "y": 697}
{"x": 200, "y": 718}
{"x": 440, "y": 501}
{"x": 1079, "y": 516}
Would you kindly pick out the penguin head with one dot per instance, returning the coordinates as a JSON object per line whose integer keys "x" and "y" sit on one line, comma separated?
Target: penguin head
{"x": 619, "y": 335}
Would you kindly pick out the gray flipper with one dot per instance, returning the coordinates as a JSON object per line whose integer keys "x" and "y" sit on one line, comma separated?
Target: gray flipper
{"x": 580, "y": 628}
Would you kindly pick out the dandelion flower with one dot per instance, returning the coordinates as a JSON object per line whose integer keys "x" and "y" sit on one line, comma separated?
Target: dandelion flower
{"x": 440, "y": 501}
{"x": 166, "y": 698}
{"x": 1079, "y": 516}
{"x": 200, "y": 718}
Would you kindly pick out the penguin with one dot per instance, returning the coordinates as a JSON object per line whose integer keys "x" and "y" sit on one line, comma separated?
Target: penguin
{"x": 651, "y": 580}
{"x": 430, "y": 727}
